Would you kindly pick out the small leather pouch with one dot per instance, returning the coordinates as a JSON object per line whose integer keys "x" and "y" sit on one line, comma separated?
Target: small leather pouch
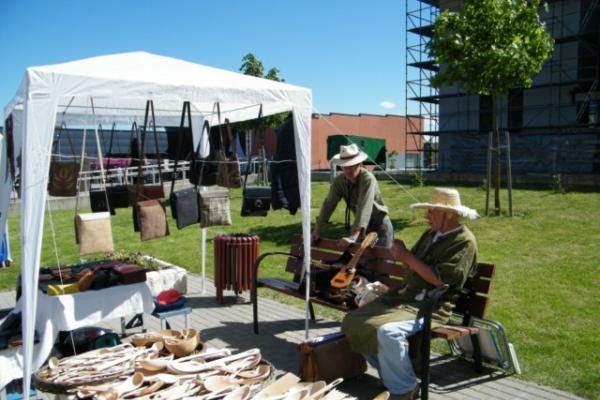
{"x": 130, "y": 273}
{"x": 256, "y": 201}
{"x": 86, "y": 279}
{"x": 94, "y": 233}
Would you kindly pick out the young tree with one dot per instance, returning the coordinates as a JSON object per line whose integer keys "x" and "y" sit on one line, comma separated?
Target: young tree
{"x": 487, "y": 48}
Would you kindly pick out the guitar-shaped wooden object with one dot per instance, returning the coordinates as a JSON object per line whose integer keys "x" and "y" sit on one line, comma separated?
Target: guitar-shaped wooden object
{"x": 343, "y": 278}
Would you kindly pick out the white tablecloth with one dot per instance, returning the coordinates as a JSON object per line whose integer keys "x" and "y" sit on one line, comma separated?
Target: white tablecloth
{"x": 169, "y": 277}
{"x": 68, "y": 312}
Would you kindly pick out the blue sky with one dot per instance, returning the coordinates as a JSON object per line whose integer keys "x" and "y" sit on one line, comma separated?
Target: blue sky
{"x": 350, "y": 53}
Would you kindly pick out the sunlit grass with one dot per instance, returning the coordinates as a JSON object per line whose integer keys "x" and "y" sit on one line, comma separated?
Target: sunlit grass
{"x": 545, "y": 290}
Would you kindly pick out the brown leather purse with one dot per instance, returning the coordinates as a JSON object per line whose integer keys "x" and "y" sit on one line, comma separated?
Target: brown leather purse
{"x": 63, "y": 174}
{"x": 149, "y": 215}
{"x": 329, "y": 357}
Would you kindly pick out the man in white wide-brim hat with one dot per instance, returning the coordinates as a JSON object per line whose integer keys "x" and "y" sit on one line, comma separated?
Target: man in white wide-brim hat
{"x": 360, "y": 190}
{"x": 443, "y": 255}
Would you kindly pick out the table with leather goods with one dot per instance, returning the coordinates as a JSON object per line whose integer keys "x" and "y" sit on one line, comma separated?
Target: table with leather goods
{"x": 71, "y": 311}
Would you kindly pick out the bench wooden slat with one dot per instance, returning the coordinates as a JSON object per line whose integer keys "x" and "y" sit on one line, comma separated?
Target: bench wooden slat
{"x": 450, "y": 332}
{"x": 281, "y": 285}
{"x": 382, "y": 267}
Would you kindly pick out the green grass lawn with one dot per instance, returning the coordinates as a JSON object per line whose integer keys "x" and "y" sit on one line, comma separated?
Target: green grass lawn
{"x": 545, "y": 291}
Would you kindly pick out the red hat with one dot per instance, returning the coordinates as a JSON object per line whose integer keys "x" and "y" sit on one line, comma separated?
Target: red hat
{"x": 168, "y": 297}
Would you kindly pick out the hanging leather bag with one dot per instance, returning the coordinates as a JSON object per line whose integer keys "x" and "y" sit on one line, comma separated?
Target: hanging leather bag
{"x": 115, "y": 160}
{"x": 63, "y": 174}
{"x": 213, "y": 205}
{"x": 228, "y": 168}
{"x": 99, "y": 201}
{"x": 99, "y": 198}
{"x": 93, "y": 231}
{"x": 256, "y": 200}
{"x": 149, "y": 214}
{"x": 184, "y": 203}
{"x": 140, "y": 190}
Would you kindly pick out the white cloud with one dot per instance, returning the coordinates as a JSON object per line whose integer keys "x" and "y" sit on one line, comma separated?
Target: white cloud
{"x": 388, "y": 105}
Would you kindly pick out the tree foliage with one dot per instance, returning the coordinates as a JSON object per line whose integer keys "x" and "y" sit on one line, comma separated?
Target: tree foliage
{"x": 254, "y": 67}
{"x": 490, "y": 46}
{"x": 487, "y": 48}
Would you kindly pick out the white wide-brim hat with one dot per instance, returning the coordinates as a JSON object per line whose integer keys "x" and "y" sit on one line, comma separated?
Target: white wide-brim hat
{"x": 447, "y": 200}
{"x": 349, "y": 155}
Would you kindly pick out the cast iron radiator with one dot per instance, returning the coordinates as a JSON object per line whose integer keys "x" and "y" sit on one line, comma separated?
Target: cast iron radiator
{"x": 234, "y": 256}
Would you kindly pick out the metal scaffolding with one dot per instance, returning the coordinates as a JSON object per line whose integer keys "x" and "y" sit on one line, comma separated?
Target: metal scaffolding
{"x": 554, "y": 124}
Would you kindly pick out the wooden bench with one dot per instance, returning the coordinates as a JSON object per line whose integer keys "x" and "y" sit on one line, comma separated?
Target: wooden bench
{"x": 376, "y": 262}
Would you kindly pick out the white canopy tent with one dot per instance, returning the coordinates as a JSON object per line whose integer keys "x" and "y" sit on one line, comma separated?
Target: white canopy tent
{"x": 115, "y": 88}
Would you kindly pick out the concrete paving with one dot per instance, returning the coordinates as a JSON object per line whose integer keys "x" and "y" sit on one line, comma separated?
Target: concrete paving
{"x": 282, "y": 328}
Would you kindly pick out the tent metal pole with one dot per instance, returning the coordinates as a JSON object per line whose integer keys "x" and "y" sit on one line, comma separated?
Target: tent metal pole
{"x": 203, "y": 261}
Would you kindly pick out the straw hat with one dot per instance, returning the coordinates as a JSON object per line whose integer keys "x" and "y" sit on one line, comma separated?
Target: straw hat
{"x": 349, "y": 155}
{"x": 447, "y": 200}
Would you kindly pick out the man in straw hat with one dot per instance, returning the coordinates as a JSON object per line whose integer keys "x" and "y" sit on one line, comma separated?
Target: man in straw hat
{"x": 359, "y": 189}
{"x": 445, "y": 254}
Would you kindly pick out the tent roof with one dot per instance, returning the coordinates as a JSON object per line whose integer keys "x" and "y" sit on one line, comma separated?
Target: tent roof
{"x": 119, "y": 84}
{"x": 141, "y": 66}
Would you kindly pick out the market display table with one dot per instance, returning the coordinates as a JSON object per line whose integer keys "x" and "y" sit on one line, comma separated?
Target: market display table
{"x": 72, "y": 311}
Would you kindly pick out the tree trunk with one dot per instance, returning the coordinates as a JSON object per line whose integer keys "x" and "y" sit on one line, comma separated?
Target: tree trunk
{"x": 497, "y": 171}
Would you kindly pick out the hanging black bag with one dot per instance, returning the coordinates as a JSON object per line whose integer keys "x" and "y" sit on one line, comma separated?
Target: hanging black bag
{"x": 184, "y": 203}
{"x": 256, "y": 200}
{"x": 99, "y": 198}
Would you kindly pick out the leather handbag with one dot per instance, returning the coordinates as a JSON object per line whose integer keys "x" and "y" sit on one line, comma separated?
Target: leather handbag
{"x": 149, "y": 215}
{"x": 63, "y": 174}
{"x": 329, "y": 357}
{"x": 113, "y": 160}
{"x": 184, "y": 207}
{"x": 130, "y": 273}
{"x": 98, "y": 201}
{"x": 118, "y": 196}
{"x": 213, "y": 205}
{"x": 151, "y": 219}
{"x": 94, "y": 233}
{"x": 228, "y": 168}
{"x": 136, "y": 192}
{"x": 184, "y": 203}
{"x": 256, "y": 201}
